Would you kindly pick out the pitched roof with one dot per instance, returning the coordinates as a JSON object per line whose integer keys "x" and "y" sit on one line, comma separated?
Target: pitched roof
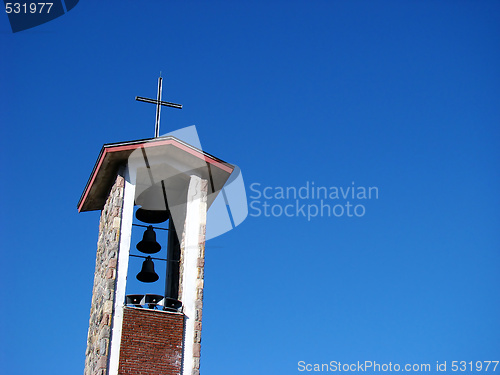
{"x": 115, "y": 155}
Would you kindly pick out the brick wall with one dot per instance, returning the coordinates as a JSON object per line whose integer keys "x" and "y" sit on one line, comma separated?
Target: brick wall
{"x": 103, "y": 294}
{"x": 151, "y": 342}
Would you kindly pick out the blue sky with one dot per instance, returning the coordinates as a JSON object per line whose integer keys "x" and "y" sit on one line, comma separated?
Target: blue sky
{"x": 400, "y": 95}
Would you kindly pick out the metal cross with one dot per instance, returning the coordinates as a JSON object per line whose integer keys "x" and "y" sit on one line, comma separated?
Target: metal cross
{"x": 158, "y": 103}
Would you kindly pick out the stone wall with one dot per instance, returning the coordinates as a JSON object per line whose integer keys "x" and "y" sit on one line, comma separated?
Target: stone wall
{"x": 103, "y": 293}
{"x": 151, "y": 342}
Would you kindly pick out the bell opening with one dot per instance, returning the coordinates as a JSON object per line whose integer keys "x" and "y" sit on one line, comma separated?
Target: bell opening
{"x": 149, "y": 240}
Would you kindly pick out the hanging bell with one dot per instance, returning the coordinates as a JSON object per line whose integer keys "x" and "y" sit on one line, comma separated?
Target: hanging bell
{"x": 152, "y": 216}
{"x": 148, "y": 245}
{"x": 148, "y": 274}
{"x": 154, "y": 207}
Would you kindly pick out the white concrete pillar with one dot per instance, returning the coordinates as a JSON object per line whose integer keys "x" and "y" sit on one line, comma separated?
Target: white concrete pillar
{"x": 122, "y": 269}
{"x": 191, "y": 272}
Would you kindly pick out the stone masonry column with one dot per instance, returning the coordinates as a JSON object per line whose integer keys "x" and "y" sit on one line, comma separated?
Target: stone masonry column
{"x": 103, "y": 294}
{"x": 191, "y": 272}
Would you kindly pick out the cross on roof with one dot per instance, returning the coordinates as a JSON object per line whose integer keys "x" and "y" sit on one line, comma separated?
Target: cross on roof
{"x": 158, "y": 103}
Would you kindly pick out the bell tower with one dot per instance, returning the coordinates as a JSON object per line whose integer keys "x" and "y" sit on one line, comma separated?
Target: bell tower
{"x": 146, "y": 312}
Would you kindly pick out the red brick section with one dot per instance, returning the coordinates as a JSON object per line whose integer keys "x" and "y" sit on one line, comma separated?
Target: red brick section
{"x": 151, "y": 342}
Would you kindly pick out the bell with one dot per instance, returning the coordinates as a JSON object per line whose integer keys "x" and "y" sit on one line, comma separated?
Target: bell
{"x": 152, "y": 216}
{"x": 148, "y": 245}
{"x": 147, "y": 274}
{"x": 154, "y": 208}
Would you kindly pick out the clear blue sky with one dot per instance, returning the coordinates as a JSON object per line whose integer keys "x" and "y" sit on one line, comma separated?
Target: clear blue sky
{"x": 400, "y": 95}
